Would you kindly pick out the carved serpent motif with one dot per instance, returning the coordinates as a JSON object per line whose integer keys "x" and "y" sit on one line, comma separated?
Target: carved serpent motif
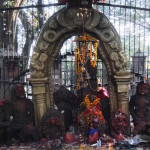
{"x": 38, "y": 64}
{"x": 119, "y": 62}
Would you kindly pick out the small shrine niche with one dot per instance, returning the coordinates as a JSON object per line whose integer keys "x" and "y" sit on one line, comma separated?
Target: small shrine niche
{"x": 78, "y": 72}
{"x": 77, "y": 68}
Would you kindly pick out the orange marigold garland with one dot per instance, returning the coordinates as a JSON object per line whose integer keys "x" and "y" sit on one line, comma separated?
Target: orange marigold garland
{"x": 93, "y": 55}
{"x": 90, "y": 115}
{"x": 87, "y": 48}
{"x": 77, "y": 60}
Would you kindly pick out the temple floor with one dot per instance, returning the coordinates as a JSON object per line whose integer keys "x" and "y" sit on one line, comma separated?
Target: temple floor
{"x": 37, "y": 146}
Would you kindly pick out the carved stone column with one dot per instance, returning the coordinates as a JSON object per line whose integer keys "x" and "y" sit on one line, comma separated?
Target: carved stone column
{"x": 39, "y": 98}
{"x": 123, "y": 92}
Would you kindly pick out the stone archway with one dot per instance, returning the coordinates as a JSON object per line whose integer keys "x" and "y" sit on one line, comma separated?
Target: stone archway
{"x": 57, "y": 29}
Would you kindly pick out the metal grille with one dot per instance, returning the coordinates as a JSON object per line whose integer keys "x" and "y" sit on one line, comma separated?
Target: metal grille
{"x": 131, "y": 20}
{"x": 21, "y": 23}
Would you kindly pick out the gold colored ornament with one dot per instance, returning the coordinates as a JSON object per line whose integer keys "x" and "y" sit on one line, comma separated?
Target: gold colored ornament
{"x": 87, "y": 49}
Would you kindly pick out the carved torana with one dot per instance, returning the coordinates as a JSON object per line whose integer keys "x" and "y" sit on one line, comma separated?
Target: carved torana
{"x": 66, "y": 23}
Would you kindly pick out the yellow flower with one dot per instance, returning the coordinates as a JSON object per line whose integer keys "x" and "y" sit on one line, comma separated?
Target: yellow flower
{"x": 100, "y": 113}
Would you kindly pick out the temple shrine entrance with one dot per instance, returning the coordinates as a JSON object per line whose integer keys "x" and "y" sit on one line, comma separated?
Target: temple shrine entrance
{"x": 56, "y": 31}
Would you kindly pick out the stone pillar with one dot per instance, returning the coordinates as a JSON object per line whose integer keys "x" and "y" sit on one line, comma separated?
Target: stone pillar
{"x": 39, "y": 98}
{"x": 122, "y": 83}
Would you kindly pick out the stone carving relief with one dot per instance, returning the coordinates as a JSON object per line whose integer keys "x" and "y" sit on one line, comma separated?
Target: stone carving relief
{"x": 122, "y": 96}
{"x": 119, "y": 63}
{"x": 103, "y": 23}
{"x": 69, "y": 19}
{"x": 50, "y": 36}
{"x": 38, "y": 64}
{"x": 53, "y": 24}
{"x": 43, "y": 46}
{"x": 123, "y": 102}
{"x": 106, "y": 35}
{"x": 65, "y": 24}
{"x": 114, "y": 45}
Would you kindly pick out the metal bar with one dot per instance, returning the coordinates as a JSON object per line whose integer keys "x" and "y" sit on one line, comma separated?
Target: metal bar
{"x": 119, "y": 17}
{"x": 114, "y": 16}
{"x": 144, "y": 67}
{"x": 139, "y": 36}
{"x": 148, "y": 50}
{"x": 125, "y": 29}
{"x": 130, "y": 34}
{"x": 30, "y": 6}
{"x": 109, "y": 10}
{"x": 32, "y": 22}
{"x": 134, "y": 42}
{"x": 123, "y": 6}
{"x": 63, "y": 4}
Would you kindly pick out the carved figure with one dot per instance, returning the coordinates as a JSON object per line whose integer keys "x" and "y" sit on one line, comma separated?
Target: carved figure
{"x": 123, "y": 58}
{"x": 66, "y": 102}
{"x": 22, "y": 113}
{"x": 43, "y": 46}
{"x": 34, "y": 59}
{"x": 139, "y": 109}
{"x": 120, "y": 63}
{"x": 4, "y": 123}
{"x": 38, "y": 64}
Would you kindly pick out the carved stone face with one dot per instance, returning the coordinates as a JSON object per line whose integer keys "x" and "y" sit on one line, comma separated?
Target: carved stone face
{"x": 35, "y": 55}
{"x": 43, "y": 57}
{"x": 122, "y": 56}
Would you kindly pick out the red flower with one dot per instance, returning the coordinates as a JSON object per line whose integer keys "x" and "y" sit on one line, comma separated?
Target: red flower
{"x": 78, "y": 121}
{"x": 84, "y": 114}
{"x": 98, "y": 107}
{"x": 102, "y": 119}
{"x": 20, "y": 91}
{"x": 90, "y": 109}
{"x": 53, "y": 120}
{"x": 95, "y": 113}
{"x": 1, "y": 103}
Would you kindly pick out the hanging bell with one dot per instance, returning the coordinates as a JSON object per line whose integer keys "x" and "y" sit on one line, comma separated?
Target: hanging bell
{"x": 82, "y": 69}
{"x": 87, "y": 76}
